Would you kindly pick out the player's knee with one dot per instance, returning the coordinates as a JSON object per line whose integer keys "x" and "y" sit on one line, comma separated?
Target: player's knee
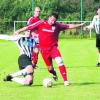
{"x": 36, "y": 50}
{"x": 59, "y": 61}
{"x": 30, "y": 69}
{"x": 29, "y": 80}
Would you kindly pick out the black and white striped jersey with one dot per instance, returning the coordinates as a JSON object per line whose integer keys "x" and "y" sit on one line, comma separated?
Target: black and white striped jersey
{"x": 95, "y": 24}
{"x": 25, "y": 44}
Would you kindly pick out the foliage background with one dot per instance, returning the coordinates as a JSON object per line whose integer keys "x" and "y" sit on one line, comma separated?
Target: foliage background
{"x": 21, "y": 10}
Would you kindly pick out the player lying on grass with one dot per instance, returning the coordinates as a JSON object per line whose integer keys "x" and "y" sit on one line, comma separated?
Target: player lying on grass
{"x": 48, "y": 42}
{"x": 96, "y": 25}
{"x": 26, "y": 67}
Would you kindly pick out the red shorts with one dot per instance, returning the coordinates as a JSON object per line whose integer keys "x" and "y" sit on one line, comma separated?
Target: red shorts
{"x": 50, "y": 53}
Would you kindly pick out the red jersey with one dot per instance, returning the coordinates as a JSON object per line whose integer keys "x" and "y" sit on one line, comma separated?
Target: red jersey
{"x": 48, "y": 34}
{"x": 31, "y": 21}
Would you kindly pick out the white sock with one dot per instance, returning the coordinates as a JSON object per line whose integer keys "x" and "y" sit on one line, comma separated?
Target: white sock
{"x": 19, "y": 73}
{"x": 99, "y": 58}
{"x": 19, "y": 80}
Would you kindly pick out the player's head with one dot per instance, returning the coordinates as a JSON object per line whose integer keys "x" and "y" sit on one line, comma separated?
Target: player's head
{"x": 52, "y": 18}
{"x": 98, "y": 10}
{"x": 36, "y": 12}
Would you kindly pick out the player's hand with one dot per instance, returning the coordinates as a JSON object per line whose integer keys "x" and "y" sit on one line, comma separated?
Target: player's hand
{"x": 85, "y": 28}
{"x": 82, "y": 24}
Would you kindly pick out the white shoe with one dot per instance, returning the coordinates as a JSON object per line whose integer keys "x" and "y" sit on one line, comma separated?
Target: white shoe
{"x": 66, "y": 83}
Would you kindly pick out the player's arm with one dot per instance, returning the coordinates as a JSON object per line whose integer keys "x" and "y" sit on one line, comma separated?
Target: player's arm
{"x": 91, "y": 26}
{"x": 30, "y": 27}
{"x": 70, "y": 26}
{"x": 21, "y": 30}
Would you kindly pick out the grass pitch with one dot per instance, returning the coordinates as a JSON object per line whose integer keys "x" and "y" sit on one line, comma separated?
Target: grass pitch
{"x": 80, "y": 58}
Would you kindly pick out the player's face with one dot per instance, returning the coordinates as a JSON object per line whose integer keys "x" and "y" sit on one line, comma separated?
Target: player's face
{"x": 37, "y": 12}
{"x": 98, "y": 11}
{"x": 51, "y": 20}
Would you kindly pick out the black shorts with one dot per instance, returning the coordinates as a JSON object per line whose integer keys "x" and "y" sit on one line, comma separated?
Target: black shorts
{"x": 98, "y": 41}
{"x": 24, "y": 61}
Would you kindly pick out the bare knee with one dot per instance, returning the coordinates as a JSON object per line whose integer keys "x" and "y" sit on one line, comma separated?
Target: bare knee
{"x": 30, "y": 69}
{"x": 36, "y": 50}
{"x": 29, "y": 80}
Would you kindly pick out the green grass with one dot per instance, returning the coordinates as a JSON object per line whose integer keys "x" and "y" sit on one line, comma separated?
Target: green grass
{"x": 80, "y": 58}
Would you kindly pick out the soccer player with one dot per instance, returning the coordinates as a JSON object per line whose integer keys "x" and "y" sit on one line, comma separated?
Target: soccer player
{"x": 26, "y": 66}
{"x": 96, "y": 25}
{"x": 34, "y": 33}
{"x": 48, "y": 42}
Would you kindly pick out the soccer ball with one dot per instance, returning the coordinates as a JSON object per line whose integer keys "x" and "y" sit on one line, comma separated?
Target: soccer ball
{"x": 47, "y": 82}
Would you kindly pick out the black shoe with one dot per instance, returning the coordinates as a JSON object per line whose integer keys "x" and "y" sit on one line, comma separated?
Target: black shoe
{"x": 55, "y": 78}
{"x": 98, "y": 64}
{"x": 8, "y": 78}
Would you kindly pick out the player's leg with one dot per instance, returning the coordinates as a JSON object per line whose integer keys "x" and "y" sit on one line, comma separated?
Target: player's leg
{"x": 23, "y": 72}
{"x": 51, "y": 69}
{"x": 57, "y": 56}
{"x": 35, "y": 54}
{"x": 48, "y": 61}
{"x": 98, "y": 64}
{"x": 25, "y": 66}
{"x": 27, "y": 80}
{"x": 62, "y": 69}
{"x": 98, "y": 47}
{"x": 36, "y": 48}
{"x": 26, "y": 69}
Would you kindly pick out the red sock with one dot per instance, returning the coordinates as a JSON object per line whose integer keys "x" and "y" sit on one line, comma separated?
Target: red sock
{"x": 63, "y": 72}
{"x": 35, "y": 57}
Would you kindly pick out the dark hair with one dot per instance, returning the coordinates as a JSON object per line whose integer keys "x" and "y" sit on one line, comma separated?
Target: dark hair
{"x": 97, "y": 7}
{"x": 54, "y": 14}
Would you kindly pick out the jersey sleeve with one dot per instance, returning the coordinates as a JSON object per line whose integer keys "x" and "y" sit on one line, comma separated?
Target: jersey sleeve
{"x": 34, "y": 25}
{"x": 63, "y": 26}
{"x": 29, "y": 22}
{"x": 32, "y": 20}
